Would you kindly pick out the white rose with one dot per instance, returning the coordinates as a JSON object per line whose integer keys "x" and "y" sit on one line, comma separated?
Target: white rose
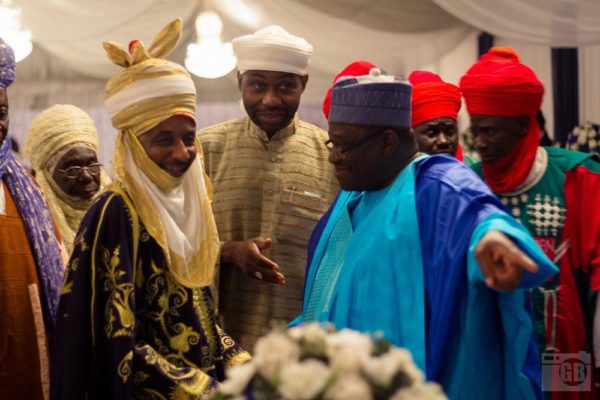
{"x": 311, "y": 338}
{"x": 238, "y": 378}
{"x": 349, "y": 387}
{"x": 382, "y": 369}
{"x": 314, "y": 334}
{"x": 348, "y": 350}
{"x": 303, "y": 381}
{"x": 405, "y": 362}
{"x": 425, "y": 391}
{"x": 297, "y": 332}
{"x": 272, "y": 352}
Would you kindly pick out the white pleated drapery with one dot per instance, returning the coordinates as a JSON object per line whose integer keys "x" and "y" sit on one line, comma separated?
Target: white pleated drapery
{"x": 68, "y": 64}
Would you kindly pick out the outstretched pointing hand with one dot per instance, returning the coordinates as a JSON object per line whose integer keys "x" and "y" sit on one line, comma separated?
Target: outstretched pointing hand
{"x": 502, "y": 263}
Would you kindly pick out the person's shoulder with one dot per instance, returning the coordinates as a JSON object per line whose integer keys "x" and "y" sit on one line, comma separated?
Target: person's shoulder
{"x": 111, "y": 218}
{"x": 311, "y": 129}
{"x": 114, "y": 203}
{"x": 439, "y": 165}
{"x": 109, "y": 200}
{"x": 448, "y": 171}
{"x": 569, "y": 159}
{"x": 218, "y": 130}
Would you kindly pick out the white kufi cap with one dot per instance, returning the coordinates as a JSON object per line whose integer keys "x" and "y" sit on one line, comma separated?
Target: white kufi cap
{"x": 272, "y": 49}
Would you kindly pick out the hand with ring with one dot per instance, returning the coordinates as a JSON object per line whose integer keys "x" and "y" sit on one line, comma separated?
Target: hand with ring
{"x": 247, "y": 255}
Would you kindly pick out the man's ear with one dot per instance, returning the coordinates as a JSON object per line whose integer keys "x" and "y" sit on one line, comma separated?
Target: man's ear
{"x": 239, "y": 77}
{"x": 391, "y": 141}
{"x": 304, "y": 80}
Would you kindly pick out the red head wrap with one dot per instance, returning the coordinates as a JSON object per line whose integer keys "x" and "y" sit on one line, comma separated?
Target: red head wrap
{"x": 433, "y": 98}
{"x": 499, "y": 85}
{"x": 356, "y": 68}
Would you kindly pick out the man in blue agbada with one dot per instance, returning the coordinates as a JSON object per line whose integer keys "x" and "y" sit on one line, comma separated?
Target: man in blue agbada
{"x": 418, "y": 248}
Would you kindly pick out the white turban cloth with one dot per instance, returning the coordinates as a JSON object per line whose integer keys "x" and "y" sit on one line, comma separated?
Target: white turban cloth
{"x": 272, "y": 49}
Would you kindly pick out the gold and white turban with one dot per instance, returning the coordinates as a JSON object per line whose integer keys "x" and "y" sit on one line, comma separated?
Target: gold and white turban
{"x": 272, "y": 49}
{"x": 52, "y": 134}
{"x": 175, "y": 211}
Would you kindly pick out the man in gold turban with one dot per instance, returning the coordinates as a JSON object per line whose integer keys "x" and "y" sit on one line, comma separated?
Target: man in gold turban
{"x": 136, "y": 319}
{"x": 62, "y": 146}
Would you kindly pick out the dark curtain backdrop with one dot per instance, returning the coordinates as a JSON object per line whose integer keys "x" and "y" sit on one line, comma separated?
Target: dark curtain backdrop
{"x": 565, "y": 81}
{"x": 484, "y": 43}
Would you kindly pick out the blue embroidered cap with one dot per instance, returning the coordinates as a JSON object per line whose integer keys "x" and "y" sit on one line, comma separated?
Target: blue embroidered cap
{"x": 375, "y": 100}
{"x": 7, "y": 64}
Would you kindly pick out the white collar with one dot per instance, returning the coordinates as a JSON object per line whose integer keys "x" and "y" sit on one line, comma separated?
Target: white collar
{"x": 537, "y": 171}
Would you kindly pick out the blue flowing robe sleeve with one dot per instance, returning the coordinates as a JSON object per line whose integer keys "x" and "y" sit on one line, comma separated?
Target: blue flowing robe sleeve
{"x": 479, "y": 343}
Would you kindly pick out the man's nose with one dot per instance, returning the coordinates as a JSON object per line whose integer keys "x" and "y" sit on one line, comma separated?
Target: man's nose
{"x": 335, "y": 156}
{"x": 479, "y": 142}
{"x": 181, "y": 152}
{"x": 271, "y": 99}
{"x": 84, "y": 175}
{"x": 443, "y": 139}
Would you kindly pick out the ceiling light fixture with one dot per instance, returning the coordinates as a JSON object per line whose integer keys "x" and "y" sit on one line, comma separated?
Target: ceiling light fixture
{"x": 10, "y": 30}
{"x": 209, "y": 57}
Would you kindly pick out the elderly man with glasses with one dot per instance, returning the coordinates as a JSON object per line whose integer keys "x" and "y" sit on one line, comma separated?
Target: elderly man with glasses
{"x": 62, "y": 146}
{"x": 417, "y": 248}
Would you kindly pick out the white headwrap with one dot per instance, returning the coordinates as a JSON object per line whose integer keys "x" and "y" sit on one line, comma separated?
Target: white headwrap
{"x": 272, "y": 49}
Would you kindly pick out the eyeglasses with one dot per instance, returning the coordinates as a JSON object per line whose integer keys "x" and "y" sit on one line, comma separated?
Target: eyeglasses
{"x": 74, "y": 172}
{"x": 340, "y": 151}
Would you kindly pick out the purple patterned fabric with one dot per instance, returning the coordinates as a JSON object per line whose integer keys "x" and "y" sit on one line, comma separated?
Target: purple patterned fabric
{"x": 7, "y": 65}
{"x": 39, "y": 228}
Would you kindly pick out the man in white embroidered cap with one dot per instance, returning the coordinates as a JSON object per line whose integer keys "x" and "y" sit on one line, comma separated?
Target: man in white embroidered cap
{"x": 136, "y": 319}
{"x": 416, "y": 247}
{"x": 272, "y": 183}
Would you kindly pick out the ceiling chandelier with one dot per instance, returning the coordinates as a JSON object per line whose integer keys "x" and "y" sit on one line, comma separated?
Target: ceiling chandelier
{"x": 10, "y": 30}
{"x": 209, "y": 57}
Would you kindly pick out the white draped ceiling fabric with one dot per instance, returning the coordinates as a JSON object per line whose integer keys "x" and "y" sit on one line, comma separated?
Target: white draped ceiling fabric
{"x": 73, "y": 30}
{"x": 538, "y": 25}
{"x": 68, "y": 64}
{"x": 400, "y": 38}
{"x": 556, "y": 23}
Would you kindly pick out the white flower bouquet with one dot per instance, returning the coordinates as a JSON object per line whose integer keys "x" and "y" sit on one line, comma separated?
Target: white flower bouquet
{"x": 316, "y": 362}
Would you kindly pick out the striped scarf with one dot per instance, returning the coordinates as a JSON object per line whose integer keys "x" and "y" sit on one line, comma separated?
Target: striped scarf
{"x": 39, "y": 228}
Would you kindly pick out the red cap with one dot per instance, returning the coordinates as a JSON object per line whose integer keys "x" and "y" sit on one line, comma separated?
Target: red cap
{"x": 432, "y": 98}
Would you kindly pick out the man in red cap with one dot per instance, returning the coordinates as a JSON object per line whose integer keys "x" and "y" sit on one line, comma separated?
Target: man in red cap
{"x": 435, "y": 106}
{"x": 555, "y": 194}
